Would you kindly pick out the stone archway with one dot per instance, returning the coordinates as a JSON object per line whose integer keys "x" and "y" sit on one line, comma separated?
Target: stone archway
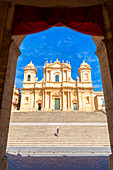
{"x": 9, "y": 52}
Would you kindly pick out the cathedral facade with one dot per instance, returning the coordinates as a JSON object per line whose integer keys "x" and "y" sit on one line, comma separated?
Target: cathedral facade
{"x": 58, "y": 91}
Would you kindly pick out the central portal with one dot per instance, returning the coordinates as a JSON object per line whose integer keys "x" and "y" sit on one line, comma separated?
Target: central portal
{"x": 57, "y": 104}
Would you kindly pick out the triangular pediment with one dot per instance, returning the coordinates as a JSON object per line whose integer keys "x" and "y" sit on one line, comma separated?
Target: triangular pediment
{"x": 57, "y": 64}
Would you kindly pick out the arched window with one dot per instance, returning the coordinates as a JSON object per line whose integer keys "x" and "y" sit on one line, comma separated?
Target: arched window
{"x": 87, "y": 100}
{"x": 56, "y": 78}
{"x": 29, "y": 77}
{"x": 86, "y": 77}
{"x": 26, "y": 100}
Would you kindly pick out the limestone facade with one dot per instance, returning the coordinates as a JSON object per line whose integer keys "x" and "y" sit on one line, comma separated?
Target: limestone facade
{"x": 58, "y": 91}
{"x": 16, "y": 99}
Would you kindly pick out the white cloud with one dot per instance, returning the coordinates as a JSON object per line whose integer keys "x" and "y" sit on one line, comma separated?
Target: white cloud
{"x": 70, "y": 56}
{"x": 26, "y": 54}
{"x": 20, "y": 58}
{"x": 18, "y": 82}
{"x": 39, "y": 67}
{"x": 68, "y": 42}
{"x": 36, "y": 51}
{"x": 22, "y": 67}
{"x": 18, "y": 72}
{"x": 22, "y": 47}
{"x": 85, "y": 52}
{"x": 59, "y": 43}
{"x": 91, "y": 59}
{"x": 69, "y": 38}
{"x": 40, "y": 53}
{"x": 98, "y": 67}
{"x": 95, "y": 81}
{"x": 79, "y": 55}
{"x": 97, "y": 85}
{"x": 97, "y": 72}
{"x": 50, "y": 54}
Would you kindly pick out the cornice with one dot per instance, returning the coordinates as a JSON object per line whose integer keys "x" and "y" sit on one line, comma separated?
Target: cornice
{"x": 47, "y": 67}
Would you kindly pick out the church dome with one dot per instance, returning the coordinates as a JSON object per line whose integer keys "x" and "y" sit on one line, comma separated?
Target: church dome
{"x": 84, "y": 65}
{"x": 30, "y": 66}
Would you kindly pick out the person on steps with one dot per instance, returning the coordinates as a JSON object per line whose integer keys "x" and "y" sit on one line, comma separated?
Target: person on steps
{"x": 57, "y": 131}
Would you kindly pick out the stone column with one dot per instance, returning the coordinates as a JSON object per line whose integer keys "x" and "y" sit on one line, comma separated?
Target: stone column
{"x": 50, "y": 100}
{"x": 34, "y": 98}
{"x": 62, "y": 101}
{"x": 105, "y": 54}
{"x": 92, "y": 100}
{"x": 68, "y": 102}
{"x": 8, "y": 61}
{"x": 62, "y": 74}
{"x": 43, "y": 100}
{"x": 50, "y": 76}
{"x": 71, "y": 100}
{"x": 66, "y": 75}
{"x": 7, "y": 78}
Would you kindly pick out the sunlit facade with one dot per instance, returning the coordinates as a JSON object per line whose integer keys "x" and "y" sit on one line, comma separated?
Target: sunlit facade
{"x": 58, "y": 91}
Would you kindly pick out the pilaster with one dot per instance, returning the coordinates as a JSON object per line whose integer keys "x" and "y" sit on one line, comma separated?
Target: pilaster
{"x": 50, "y": 100}
{"x": 43, "y": 100}
{"x": 68, "y": 102}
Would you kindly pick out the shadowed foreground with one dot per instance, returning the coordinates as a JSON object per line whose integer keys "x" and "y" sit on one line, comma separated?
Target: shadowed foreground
{"x": 58, "y": 163}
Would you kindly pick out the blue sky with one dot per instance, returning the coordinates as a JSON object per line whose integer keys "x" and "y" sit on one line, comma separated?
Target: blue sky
{"x": 62, "y": 43}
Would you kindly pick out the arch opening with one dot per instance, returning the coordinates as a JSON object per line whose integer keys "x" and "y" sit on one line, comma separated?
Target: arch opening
{"x": 56, "y": 94}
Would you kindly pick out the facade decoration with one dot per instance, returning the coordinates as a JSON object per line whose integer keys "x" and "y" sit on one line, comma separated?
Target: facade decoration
{"x": 16, "y": 99}
{"x": 58, "y": 91}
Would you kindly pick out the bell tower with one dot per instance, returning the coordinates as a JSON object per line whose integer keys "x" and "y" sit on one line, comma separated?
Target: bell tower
{"x": 84, "y": 72}
{"x": 29, "y": 75}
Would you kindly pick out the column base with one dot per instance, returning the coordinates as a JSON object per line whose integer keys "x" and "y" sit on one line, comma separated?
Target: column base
{"x": 4, "y": 163}
{"x": 110, "y": 162}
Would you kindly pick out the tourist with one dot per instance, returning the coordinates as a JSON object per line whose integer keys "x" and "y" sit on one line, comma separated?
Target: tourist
{"x": 57, "y": 131}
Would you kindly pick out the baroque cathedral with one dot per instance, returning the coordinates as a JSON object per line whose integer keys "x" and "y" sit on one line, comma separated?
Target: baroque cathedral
{"x": 58, "y": 91}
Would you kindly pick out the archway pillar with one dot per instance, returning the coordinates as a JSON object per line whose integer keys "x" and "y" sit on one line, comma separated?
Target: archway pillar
{"x": 105, "y": 55}
{"x": 7, "y": 78}
{"x": 9, "y": 53}
{"x": 5, "y": 42}
{"x": 109, "y": 96}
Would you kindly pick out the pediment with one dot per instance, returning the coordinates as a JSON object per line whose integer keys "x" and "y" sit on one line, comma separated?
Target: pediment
{"x": 39, "y": 101}
{"x": 57, "y": 94}
{"x": 57, "y": 64}
{"x": 74, "y": 101}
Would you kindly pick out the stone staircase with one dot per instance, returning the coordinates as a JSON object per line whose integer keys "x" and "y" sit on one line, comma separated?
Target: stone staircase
{"x": 58, "y": 116}
{"x": 34, "y": 129}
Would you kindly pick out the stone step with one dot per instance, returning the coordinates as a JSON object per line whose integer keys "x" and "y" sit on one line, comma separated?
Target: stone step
{"x": 24, "y": 132}
{"x": 58, "y": 116}
{"x": 57, "y": 144}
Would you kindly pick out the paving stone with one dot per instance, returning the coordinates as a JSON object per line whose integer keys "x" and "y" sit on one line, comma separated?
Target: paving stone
{"x": 58, "y": 163}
